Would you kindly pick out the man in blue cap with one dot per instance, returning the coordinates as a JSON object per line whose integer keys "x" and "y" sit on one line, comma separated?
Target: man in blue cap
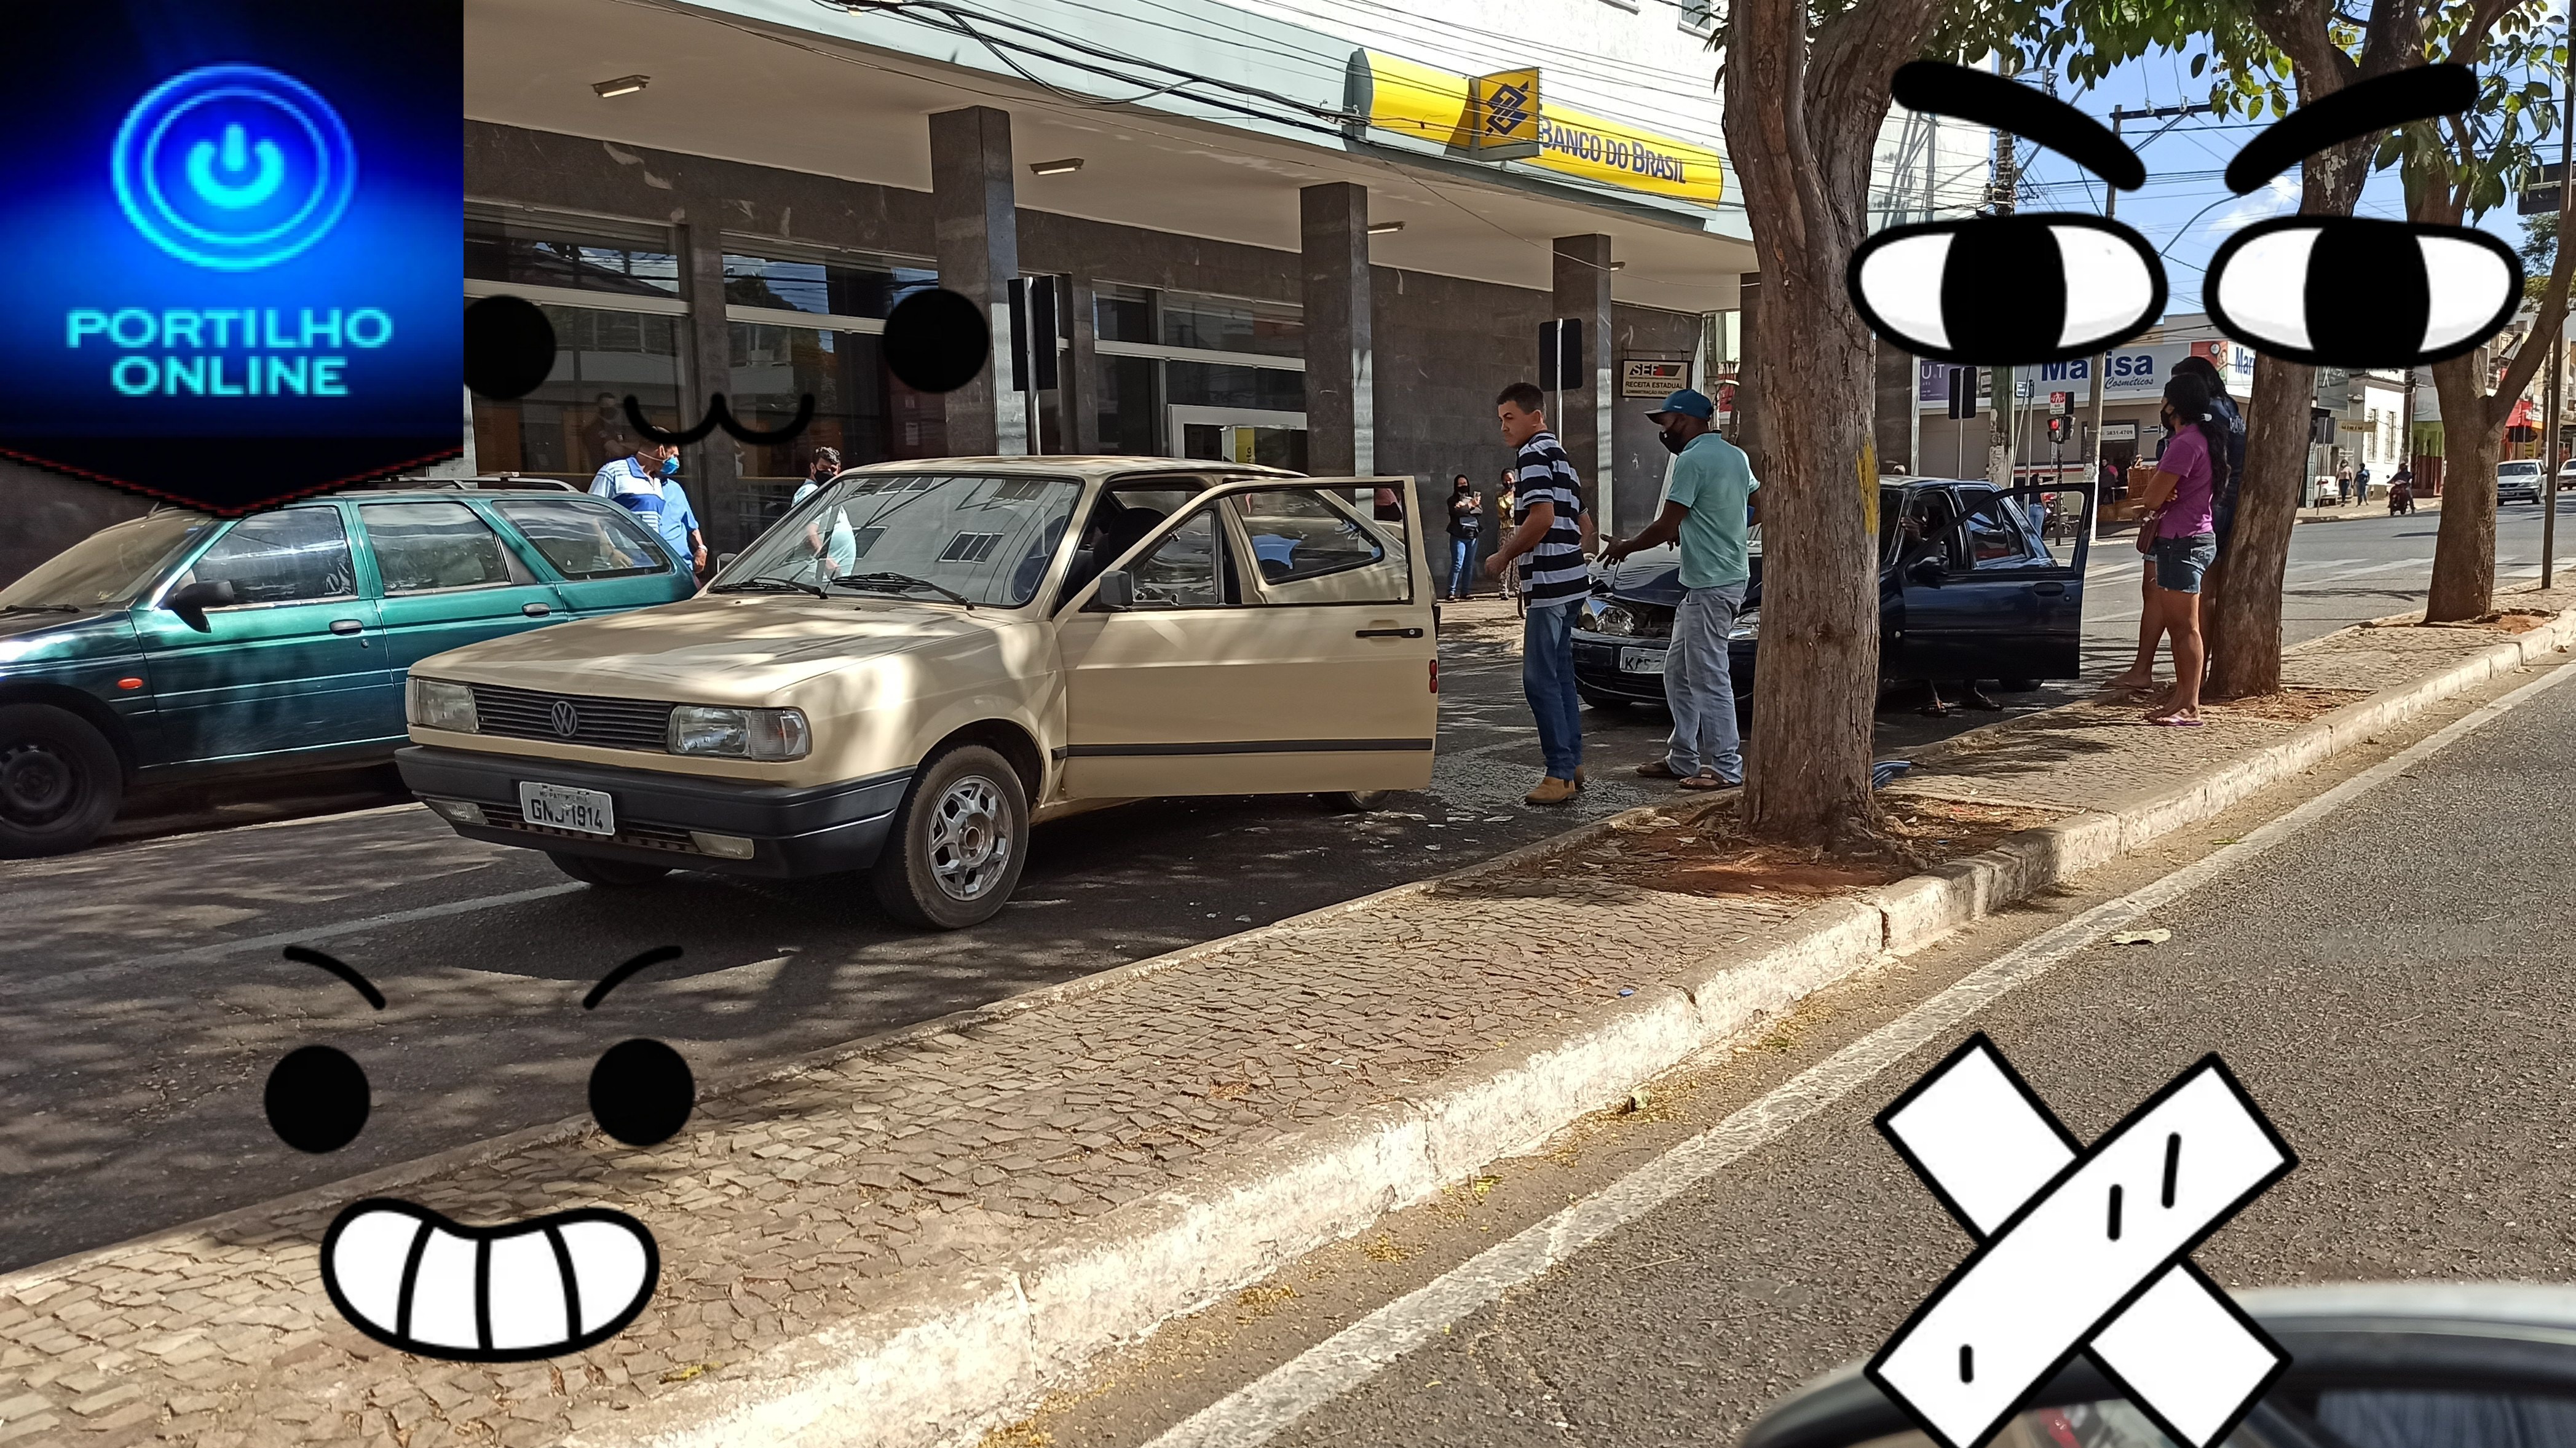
{"x": 1709, "y": 509}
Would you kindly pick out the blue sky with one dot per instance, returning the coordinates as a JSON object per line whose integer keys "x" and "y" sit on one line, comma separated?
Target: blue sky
{"x": 2185, "y": 209}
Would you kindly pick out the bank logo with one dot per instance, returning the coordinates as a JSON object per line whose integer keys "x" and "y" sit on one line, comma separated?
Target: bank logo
{"x": 1506, "y": 109}
{"x": 233, "y": 167}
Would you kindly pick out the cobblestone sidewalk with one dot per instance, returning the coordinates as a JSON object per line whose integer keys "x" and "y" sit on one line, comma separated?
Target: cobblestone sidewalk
{"x": 802, "y": 1203}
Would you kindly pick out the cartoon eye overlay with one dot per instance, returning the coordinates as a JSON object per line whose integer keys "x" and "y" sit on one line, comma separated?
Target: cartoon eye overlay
{"x": 425, "y": 1283}
{"x": 934, "y": 341}
{"x": 2053, "y": 286}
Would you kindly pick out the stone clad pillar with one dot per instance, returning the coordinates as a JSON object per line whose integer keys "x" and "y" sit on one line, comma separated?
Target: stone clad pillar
{"x": 1583, "y": 292}
{"x": 976, "y": 215}
{"x": 1341, "y": 418}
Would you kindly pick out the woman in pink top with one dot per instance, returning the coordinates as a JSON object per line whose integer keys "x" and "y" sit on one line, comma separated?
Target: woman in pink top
{"x": 2178, "y": 500}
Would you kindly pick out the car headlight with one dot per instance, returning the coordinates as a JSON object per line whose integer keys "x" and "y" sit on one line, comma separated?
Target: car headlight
{"x": 1608, "y": 618}
{"x": 739, "y": 733}
{"x": 435, "y": 704}
{"x": 1747, "y": 624}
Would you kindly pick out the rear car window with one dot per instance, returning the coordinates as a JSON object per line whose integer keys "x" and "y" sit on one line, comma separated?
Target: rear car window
{"x": 424, "y": 547}
{"x": 586, "y": 540}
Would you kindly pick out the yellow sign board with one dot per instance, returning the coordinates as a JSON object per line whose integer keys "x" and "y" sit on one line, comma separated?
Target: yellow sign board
{"x": 1503, "y": 115}
{"x": 1456, "y": 112}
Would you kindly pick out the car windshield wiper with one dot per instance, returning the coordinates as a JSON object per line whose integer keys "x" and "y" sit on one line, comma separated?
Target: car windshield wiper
{"x": 768, "y": 585}
{"x": 904, "y": 582}
{"x": 39, "y": 608}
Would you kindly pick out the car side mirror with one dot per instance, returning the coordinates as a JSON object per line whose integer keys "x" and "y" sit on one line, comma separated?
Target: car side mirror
{"x": 1927, "y": 571}
{"x": 191, "y": 602}
{"x": 1117, "y": 591}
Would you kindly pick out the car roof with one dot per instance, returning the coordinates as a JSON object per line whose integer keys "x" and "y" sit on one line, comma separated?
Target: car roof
{"x": 1089, "y": 466}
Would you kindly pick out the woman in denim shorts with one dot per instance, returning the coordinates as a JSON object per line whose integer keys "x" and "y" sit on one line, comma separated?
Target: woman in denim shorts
{"x": 2179, "y": 500}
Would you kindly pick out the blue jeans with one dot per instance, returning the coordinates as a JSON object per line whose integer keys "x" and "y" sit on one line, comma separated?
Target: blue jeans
{"x": 1699, "y": 686}
{"x": 1547, "y": 678}
{"x": 1462, "y": 561}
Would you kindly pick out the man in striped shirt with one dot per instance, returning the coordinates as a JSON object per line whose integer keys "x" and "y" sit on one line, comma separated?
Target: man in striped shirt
{"x": 1552, "y": 534}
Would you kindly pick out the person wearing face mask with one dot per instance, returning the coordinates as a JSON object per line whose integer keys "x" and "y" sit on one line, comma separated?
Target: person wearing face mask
{"x": 1708, "y": 509}
{"x": 644, "y": 485}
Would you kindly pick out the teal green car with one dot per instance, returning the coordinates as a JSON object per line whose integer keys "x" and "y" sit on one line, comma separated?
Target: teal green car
{"x": 178, "y": 647}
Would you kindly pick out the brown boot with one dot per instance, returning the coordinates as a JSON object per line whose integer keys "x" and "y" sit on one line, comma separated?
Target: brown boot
{"x": 1579, "y": 781}
{"x": 1552, "y": 790}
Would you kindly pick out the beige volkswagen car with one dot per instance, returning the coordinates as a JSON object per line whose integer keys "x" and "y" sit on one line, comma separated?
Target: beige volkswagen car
{"x": 926, "y": 658}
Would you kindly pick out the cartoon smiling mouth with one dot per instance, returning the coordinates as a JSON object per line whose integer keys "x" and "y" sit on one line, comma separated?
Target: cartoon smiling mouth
{"x": 424, "y": 1283}
{"x": 427, "y": 1284}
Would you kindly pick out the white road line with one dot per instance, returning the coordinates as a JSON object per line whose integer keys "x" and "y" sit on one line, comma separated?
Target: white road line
{"x": 199, "y": 955}
{"x": 1258, "y": 1411}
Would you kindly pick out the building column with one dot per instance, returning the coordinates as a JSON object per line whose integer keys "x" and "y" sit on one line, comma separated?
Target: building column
{"x": 976, "y": 214}
{"x": 1583, "y": 292}
{"x": 711, "y": 473}
{"x": 1078, "y": 387}
{"x": 1341, "y": 369}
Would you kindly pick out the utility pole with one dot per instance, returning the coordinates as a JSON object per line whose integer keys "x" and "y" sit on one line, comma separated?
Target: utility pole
{"x": 2102, "y": 360}
{"x": 1999, "y": 422}
{"x": 2557, "y": 349}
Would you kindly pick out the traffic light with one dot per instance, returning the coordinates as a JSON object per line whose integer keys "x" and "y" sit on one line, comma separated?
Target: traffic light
{"x": 2057, "y": 429}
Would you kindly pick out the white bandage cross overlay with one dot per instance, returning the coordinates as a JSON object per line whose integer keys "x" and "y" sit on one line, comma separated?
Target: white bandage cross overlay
{"x": 2080, "y": 1249}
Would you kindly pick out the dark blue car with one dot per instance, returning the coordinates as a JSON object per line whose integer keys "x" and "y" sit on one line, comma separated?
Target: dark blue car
{"x": 1967, "y": 590}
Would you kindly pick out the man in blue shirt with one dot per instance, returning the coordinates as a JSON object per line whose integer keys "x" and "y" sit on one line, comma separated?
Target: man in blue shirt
{"x": 1708, "y": 509}
{"x": 643, "y": 484}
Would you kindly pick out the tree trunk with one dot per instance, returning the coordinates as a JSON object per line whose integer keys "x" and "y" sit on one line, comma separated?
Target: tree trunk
{"x": 2464, "y": 551}
{"x": 1802, "y": 124}
{"x": 2244, "y": 603}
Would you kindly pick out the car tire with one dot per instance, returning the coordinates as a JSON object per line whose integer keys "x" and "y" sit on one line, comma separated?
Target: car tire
{"x": 1356, "y": 801}
{"x": 60, "y": 781}
{"x": 2017, "y": 686}
{"x": 608, "y": 874}
{"x": 959, "y": 841}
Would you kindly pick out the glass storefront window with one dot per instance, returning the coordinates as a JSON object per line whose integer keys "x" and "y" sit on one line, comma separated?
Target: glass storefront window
{"x": 1230, "y": 324}
{"x": 862, "y": 287}
{"x": 575, "y": 422}
{"x": 1127, "y": 409}
{"x": 590, "y": 256}
{"x": 1215, "y": 384}
{"x": 860, "y": 409}
{"x": 1123, "y": 314}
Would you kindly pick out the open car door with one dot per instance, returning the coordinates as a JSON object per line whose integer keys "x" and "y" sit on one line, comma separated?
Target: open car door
{"x": 1272, "y": 636}
{"x": 1997, "y": 595}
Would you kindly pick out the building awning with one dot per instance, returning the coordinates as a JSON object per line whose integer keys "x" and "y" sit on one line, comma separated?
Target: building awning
{"x": 2523, "y": 414}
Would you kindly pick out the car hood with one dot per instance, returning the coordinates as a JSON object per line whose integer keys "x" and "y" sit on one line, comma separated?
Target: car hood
{"x": 725, "y": 649}
{"x": 27, "y": 637}
{"x": 1654, "y": 575}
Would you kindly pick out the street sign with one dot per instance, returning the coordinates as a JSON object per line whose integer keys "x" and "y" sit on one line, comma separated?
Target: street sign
{"x": 1560, "y": 354}
{"x": 2540, "y": 192}
{"x": 2060, "y": 403}
{"x": 1639, "y": 377}
{"x": 1963, "y": 392}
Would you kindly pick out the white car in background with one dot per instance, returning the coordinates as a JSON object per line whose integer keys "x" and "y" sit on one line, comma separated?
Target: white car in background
{"x": 2518, "y": 482}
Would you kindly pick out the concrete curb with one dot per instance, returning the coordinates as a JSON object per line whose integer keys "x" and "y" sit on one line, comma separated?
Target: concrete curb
{"x": 950, "y": 1362}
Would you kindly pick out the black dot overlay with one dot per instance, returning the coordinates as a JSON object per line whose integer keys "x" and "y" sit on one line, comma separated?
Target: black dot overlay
{"x": 509, "y": 347}
{"x": 641, "y": 1091}
{"x": 317, "y": 1099}
{"x": 936, "y": 341}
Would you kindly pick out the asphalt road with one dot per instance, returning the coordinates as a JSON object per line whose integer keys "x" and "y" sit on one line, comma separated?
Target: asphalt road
{"x": 149, "y": 1000}
{"x": 2393, "y": 985}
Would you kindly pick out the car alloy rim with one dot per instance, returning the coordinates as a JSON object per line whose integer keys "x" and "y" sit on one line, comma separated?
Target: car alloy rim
{"x": 969, "y": 846}
{"x": 37, "y": 786}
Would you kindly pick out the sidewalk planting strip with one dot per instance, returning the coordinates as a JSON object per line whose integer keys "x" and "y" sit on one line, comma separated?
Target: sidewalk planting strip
{"x": 897, "y": 1241}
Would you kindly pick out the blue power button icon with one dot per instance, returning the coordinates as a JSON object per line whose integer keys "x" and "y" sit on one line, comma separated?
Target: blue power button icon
{"x": 233, "y": 167}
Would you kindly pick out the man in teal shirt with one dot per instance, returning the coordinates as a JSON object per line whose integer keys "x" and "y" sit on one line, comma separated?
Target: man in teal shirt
{"x": 1708, "y": 509}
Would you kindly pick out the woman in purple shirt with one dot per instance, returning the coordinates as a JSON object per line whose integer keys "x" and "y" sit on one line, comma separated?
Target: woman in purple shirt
{"x": 2178, "y": 498}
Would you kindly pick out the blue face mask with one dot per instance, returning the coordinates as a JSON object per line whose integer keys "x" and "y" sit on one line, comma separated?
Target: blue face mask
{"x": 670, "y": 467}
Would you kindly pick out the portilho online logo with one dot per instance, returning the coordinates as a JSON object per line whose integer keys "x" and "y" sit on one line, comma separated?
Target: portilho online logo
{"x": 233, "y": 167}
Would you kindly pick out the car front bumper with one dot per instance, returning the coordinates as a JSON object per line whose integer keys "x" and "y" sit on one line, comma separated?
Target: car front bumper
{"x": 1597, "y": 671}
{"x": 823, "y": 830}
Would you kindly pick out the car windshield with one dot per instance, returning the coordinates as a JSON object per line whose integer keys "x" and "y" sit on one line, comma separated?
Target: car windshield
{"x": 978, "y": 539}
{"x": 111, "y": 566}
{"x": 2517, "y": 470}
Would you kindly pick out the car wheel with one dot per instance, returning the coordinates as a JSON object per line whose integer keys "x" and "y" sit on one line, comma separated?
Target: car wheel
{"x": 959, "y": 842}
{"x": 1356, "y": 801}
{"x": 60, "y": 781}
{"x": 2017, "y": 686}
{"x": 611, "y": 874}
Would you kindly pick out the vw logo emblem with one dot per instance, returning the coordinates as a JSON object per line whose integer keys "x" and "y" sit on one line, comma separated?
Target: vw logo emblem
{"x": 567, "y": 719}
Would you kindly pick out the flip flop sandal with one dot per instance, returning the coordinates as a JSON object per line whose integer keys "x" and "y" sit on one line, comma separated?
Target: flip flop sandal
{"x": 1704, "y": 781}
{"x": 2172, "y": 723}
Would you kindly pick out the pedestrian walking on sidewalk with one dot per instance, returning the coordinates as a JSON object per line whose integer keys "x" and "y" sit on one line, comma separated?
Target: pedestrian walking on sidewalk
{"x": 2186, "y": 538}
{"x": 1505, "y": 501}
{"x": 1546, "y": 543}
{"x": 1466, "y": 528}
{"x": 1708, "y": 509}
{"x": 2360, "y": 484}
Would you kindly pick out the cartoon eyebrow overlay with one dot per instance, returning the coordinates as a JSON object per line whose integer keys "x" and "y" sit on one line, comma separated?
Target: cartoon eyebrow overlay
{"x": 2014, "y": 289}
{"x": 2284, "y": 286}
{"x": 422, "y": 1282}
